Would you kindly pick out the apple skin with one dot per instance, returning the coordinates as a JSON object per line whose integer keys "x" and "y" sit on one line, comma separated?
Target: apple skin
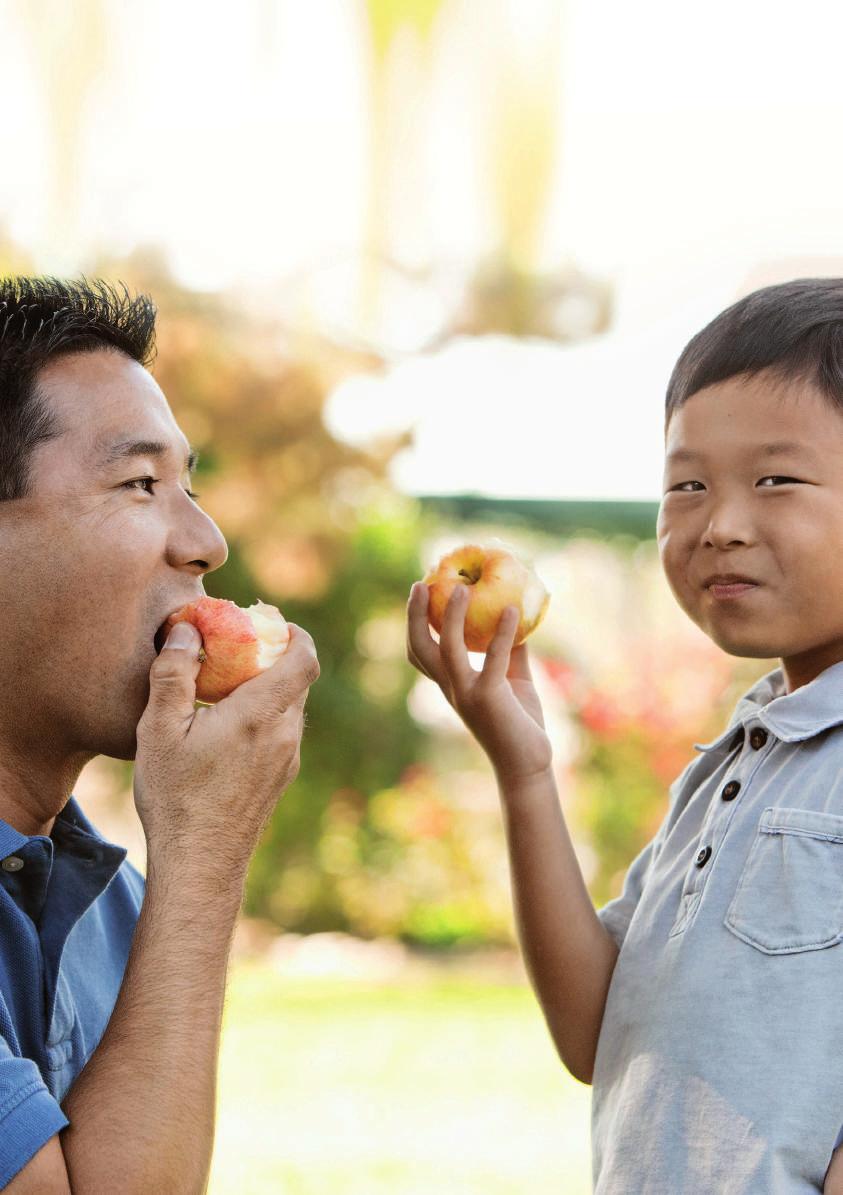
{"x": 237, "y": 643}
{"x": 496, "y": 578}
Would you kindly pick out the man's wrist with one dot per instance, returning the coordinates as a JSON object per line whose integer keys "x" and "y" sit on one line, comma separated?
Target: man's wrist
{"x": 212, "y": 876}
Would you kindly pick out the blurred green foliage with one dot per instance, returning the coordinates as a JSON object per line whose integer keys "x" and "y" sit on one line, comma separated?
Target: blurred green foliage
{"x": 359, "y": 736}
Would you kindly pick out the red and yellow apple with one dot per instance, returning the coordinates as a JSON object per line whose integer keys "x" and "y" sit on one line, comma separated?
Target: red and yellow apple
{"x": 495, "y": 578}
{"x": 237, "y": 643}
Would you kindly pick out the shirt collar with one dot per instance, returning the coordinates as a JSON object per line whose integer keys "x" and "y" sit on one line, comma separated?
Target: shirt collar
{"x": 71, "y": 823}
{"x": 791, "y": 717}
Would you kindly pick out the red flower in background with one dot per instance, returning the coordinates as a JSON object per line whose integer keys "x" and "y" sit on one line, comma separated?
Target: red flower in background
{"x": 601, "y": 714}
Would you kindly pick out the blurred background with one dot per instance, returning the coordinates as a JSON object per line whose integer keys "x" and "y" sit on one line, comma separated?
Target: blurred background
{"x": 423, "y": 270}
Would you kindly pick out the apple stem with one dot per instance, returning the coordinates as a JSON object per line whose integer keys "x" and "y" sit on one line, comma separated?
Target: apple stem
{"x": 470, "y": 577}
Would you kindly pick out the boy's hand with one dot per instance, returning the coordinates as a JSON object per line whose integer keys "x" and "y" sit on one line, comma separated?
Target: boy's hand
{"x": 499, "y": 704}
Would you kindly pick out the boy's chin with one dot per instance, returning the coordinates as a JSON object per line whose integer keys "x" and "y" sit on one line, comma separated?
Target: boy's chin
{"x": 749, "y": 650}
{"x": 748, "y": 647}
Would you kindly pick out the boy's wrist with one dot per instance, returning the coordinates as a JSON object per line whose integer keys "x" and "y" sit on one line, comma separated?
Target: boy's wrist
{"x": 518, "y": 786}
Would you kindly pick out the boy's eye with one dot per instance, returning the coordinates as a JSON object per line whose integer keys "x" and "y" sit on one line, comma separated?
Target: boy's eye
{"x": 152, "y": 481}
{"x": 769, "y": 477}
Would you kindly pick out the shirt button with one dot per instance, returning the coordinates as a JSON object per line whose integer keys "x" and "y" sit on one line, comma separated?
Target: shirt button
{"x": 704, "y": 856}
{"x": 13, "y": 863}
{"x": 758, "y": 737}
{"x": 731, "y": 790}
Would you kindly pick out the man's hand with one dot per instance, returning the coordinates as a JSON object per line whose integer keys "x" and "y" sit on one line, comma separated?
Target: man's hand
{"x": 499, "y": 704}
{"x": 208, "y": 779}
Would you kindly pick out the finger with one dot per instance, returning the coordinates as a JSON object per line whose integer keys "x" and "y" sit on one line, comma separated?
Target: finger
{"x": 422, "y": 650}
{"x": 519, "y": 664}
{"x": 452, "y": 647}
{"x": 497, "y": 654}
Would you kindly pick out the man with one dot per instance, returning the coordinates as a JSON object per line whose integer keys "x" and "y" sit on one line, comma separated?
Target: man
{"x": 111, "y": 988}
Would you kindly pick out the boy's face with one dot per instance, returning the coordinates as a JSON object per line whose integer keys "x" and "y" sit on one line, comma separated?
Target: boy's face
{"x": 774, "y": 517}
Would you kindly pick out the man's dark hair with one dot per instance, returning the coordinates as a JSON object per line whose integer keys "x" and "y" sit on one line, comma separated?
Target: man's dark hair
{"x": 794, "y": 329}
{"x": 42, "y": 318}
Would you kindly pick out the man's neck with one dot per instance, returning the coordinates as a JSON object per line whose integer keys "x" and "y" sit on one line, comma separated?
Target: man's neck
{"x": 33, "y": 794}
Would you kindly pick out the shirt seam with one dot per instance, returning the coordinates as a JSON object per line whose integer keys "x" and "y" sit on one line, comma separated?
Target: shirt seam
{"x": 20, "y": 1096}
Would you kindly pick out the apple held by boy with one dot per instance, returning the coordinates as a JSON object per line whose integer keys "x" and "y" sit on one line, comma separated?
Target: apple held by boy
{"x": 495, "y": 578}
{"x": 237, "y": 643}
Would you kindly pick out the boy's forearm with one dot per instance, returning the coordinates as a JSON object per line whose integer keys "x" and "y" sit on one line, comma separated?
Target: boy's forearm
{"x": 142, "y": 1110}
{"x": 568, "y": 953}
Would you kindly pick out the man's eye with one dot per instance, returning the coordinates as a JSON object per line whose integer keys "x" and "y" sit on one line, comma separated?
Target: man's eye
{"x": 774, "y": 477}
{"x": 153, "y": 481}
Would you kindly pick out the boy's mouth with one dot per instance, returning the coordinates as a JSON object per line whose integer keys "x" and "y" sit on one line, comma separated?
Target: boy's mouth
{"x": 734, "y": 590}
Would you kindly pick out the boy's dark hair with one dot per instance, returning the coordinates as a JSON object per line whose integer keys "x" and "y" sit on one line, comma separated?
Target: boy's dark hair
{"x": 794, "y": 328}
{"x": 42, "y": 318}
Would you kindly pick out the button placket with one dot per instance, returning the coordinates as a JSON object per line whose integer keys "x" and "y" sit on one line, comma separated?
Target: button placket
{"x": 692, "y": 893}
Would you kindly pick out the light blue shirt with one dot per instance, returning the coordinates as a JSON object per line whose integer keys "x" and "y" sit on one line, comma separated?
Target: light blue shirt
{"x": 68, "y": 908}
{"x": 719, "y": 1067}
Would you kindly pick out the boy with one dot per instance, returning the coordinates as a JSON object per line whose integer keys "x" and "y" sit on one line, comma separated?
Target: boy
{"x": 703, "y": 1003}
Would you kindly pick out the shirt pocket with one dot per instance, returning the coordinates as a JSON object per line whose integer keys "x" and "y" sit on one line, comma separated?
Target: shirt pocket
{"x": 790, "y": 893}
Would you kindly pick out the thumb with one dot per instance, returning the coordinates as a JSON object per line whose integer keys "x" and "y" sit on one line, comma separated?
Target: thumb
{"x": 172, "y": 690}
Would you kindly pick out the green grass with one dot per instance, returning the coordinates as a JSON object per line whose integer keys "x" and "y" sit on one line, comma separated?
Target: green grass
{"x": 332, "y": 1087}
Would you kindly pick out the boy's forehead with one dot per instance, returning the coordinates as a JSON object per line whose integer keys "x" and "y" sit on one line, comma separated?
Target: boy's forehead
{"x": 755, "y": 417}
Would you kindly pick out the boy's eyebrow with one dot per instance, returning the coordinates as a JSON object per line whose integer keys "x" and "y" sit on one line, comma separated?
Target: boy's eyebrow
{"x": 774, "y": 448}
{"x": 126, "y": 449}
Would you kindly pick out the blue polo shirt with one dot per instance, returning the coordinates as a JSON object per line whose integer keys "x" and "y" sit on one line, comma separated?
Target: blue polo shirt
{"x": 68, "y": 908}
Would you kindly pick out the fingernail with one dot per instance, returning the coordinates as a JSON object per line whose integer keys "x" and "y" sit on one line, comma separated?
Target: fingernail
{"x": 182, "y": 635}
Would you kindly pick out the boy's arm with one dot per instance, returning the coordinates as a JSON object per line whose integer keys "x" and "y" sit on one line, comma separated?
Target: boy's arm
{"x": 834, "y": 1175}
{"x": 569, "y": 954}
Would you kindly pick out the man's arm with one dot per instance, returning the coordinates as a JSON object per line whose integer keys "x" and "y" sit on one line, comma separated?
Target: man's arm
{"x": 44, "y": 1174}
{"x": 144, "y": 1105}
{"x": 569, "y": 954}
{"x": 205, "y": 784}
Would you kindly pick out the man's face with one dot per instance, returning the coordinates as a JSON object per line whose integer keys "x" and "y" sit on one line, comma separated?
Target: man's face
{"x": 91, "y": 565}
{"x": 777, "y": 518}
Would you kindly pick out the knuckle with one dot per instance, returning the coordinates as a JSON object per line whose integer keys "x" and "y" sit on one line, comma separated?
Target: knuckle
{"x": 256, "y": 719}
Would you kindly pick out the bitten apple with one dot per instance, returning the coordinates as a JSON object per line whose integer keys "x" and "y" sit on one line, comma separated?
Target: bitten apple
{"x": 237, "y": 643}
{"x": 495, "y": 578}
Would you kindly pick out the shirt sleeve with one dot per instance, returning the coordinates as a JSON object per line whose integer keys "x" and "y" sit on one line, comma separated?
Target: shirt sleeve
{"x": 29, "y": 1116}
{"x": 617, "y": 914}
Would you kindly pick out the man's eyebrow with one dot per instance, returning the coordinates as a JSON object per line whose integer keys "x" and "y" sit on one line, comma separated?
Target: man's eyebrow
{"x": 775, "y": 448}
{"x": 126, "y": 449}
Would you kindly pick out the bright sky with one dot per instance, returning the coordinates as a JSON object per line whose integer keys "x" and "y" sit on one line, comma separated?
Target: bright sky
{"x": 697, "y": 146}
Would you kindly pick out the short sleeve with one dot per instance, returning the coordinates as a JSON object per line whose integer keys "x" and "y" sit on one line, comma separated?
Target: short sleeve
{"x": 617, "y": 914}
{"x": 29, "y": 1116}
